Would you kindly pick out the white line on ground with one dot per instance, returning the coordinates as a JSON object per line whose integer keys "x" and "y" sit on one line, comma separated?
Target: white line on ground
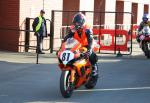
{"x": 113, "y": 89}
{"x": 3, "y": 95}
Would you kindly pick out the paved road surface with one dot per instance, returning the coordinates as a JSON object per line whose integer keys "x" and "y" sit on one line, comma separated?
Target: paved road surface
{"x": 122, "y": 80}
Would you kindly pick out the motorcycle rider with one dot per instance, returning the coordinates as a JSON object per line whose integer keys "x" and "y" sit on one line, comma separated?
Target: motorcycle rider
{"x": 145, "y": 22}
{"x": 82, "y": 32}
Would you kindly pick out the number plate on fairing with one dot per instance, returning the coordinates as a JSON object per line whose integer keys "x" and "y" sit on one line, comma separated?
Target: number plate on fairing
{"x": 66, "y": 56}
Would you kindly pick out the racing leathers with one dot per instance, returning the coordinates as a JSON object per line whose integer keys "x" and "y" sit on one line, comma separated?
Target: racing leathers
{"x": 85, "y": 37}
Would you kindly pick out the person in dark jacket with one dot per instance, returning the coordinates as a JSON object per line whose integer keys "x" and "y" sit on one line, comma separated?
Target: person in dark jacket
{"x": 40, "y": 29}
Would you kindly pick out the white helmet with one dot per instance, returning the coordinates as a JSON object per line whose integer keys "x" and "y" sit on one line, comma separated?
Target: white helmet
{"x": 145, "y": 17}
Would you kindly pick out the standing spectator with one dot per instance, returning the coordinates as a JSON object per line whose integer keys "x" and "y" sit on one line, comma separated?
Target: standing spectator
{"x": 40, "y": 29}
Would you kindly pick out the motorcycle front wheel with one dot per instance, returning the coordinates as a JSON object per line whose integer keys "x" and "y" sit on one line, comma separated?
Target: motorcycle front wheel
{"x": 146, "y": 50}
{"x": 148, "y": 53}
{"x": 66, "y": 87}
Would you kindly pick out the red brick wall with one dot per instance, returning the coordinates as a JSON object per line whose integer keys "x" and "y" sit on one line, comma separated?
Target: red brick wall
{"x": 134, "y": 11}
{"x": 119, "y": 8}
{"x": 99, "y": 5}
{"x": 69, "y": 5}
{"x": 146, "y": 9}
{"x": 9, "y": 19}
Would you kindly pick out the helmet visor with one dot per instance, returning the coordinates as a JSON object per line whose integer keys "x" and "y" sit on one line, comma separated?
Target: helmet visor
{"x": 145, "y": 19}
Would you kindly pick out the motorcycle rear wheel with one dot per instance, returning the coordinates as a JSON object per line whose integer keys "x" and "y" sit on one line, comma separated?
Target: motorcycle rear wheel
{"x": 65, "y": 86}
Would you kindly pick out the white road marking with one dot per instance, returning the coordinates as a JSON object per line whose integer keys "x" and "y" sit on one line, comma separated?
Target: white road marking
{"x": 113, "y": 89}
{"x": 3, "y": 95}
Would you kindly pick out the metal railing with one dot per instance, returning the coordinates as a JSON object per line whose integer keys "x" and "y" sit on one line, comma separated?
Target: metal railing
{"x": 100, "y": 26}
{"x": 27, "y": 33}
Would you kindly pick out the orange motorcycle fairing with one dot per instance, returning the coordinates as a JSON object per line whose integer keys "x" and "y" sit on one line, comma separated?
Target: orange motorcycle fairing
{"x": 76, "y": 68}
{"x": 82, "y": 79}
{"x": 79, "y": 64}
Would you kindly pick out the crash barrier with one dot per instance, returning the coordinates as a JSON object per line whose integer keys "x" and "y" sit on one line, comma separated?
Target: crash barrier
{"x": 118, "y": 35}
{"x": 27, "y": 39}
{"x": 112, "y": 40}
{"x": 109, "y": 39}
{"x": 126, "y": 27}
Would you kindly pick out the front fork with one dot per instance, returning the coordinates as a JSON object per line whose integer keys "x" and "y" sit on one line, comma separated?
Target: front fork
{"x": 72, "y": 76}
{"x": 72, "y": 79}
{"x": 141, "y": 44}
{"x": 148, "y": 46}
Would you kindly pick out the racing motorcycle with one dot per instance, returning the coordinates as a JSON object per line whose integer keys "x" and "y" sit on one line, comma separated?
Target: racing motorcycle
{"x": 75, "y": 66}
{"x": 145, "y": 41}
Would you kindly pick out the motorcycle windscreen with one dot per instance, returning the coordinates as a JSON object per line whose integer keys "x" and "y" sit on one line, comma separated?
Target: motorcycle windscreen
{"x": 71, "y": 43}
{"x": 68, "y": 54}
